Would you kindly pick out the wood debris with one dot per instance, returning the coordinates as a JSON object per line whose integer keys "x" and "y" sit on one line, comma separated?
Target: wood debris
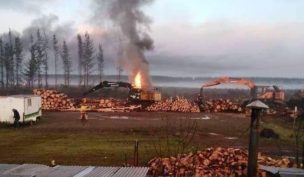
{"x": 178, "y": 104}
{"x": 211, "y": 162}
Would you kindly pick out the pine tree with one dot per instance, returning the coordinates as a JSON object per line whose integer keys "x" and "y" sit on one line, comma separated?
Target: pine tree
{"x": 1, "y": 63}
{"x": 56, "y": 57}
{"x": 67, "y": 64}
{"x": 80, "y": 58}
{"x": 100, "y": 61}
{"x": 11, "y": 71}
{"x": 88, "y": 58}
{"x": 40, "y": 56}
{"x": 19, "y": 58}
{"x": 45, "y": 49}
{"x": 31, "y": 68}
{"x": 7, "y": 64}
{"x": 31, "y": 65}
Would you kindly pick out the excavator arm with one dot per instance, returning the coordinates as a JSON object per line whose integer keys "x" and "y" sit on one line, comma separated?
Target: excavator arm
{"x": 107, "y": 84}
{"x": 226, "y": 80}
{"x": 277, "y": 95}
{"x": 135, "y": 94}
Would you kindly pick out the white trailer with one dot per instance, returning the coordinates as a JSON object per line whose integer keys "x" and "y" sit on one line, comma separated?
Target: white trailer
{"x": 28, "y": 106}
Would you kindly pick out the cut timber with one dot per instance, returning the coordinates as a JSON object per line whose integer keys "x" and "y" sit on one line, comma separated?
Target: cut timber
{"x": 222, "y": 105}
{"x": 210, "y": 162}
{"x": 54, "y": 100}
{"x": 178, "y": 104}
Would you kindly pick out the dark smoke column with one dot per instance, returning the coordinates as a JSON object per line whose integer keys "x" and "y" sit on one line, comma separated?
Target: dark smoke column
{"x": 133, "y": 25}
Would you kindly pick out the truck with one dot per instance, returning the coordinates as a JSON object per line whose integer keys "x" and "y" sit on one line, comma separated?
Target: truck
{"x": 28, "y": 106}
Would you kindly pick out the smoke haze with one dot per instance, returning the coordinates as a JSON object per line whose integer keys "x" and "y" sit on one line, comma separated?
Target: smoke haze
{"x": 133, "y": 25}
{"x": 256, "y": 38}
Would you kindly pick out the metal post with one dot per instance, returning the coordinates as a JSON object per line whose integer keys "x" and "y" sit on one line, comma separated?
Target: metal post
{"x": 256, "y": 108}
{"x": 136, "y": 153}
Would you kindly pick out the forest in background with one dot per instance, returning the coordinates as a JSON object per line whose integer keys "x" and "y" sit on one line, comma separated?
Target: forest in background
{"x": 26, "y": 62}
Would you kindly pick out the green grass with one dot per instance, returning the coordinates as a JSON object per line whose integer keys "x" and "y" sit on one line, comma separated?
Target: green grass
{"x": 75, "y": 145}
{"x": 285, "y": 133}
{"x": 25, "y": 146}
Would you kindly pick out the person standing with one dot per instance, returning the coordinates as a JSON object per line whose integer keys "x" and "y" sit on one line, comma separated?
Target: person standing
{"x": 83, "y": 111}
{"x": 16, "y": 118}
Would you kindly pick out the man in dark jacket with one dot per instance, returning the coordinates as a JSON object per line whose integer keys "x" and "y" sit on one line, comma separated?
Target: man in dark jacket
{"x": 16, "y": 117}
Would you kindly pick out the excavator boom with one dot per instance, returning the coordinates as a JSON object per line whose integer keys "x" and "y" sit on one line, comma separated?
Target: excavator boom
{"x": 275, "y": 95}
{"x": 135, "y": 94}
{"x": 107, "y": 84}
{"x": 226, "y": 80}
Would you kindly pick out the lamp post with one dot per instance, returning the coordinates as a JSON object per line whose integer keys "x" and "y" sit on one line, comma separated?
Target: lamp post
{"x": 256, "y": 110}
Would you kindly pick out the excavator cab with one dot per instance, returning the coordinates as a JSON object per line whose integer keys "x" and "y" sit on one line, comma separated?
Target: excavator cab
{"x": 271, "y": 93}
{"x": 134, "y": 94}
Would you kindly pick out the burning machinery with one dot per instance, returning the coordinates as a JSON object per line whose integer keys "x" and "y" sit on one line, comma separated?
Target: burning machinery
{"x": 136, "y": 95}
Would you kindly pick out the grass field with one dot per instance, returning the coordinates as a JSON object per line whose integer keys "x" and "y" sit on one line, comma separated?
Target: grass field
{"x": 109, "y": 138}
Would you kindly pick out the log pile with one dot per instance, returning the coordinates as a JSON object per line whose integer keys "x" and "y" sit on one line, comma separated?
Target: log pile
{"x": 54, "y": 100}
{"x": 109, "y": 103}
{"x": 211, "y": 162}
{"x": 223, "y": 105}
{"x": 130, "y": 108}
{"x": 178, "y": 104}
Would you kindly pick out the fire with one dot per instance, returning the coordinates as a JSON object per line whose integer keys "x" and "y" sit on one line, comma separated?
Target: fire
{"x": 137, "y": 80}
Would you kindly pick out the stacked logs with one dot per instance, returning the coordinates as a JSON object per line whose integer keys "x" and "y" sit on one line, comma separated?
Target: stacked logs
{"x": 178, "y": 104}
{"x": 54, "y": 100}
{"x": 222, "y": 105}
{"x": 210, "y": 162}
{"x": 109, "y": 103}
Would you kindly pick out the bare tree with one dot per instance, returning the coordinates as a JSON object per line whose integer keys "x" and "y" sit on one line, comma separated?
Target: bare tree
{"x": 80, "y": 59}
{"x": 8, "y": 65}
{"x": 40, "y": 55}
{"x": 31, "y": 65}
{"x": 182, "y": 133}
{"x": 67, "y": 64}
{"x": 11, "y": 70}
{"x": 88, "y": 58}
{"x": 56, "y": 57}
{"x": 100, "y": 62}
{"x": 19, "y": 59}
{"x": 1, "y": 63}
{"x": 45, "y": 58}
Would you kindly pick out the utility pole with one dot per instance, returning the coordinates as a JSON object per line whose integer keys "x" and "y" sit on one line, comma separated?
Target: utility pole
{"x": 256, "y": 110}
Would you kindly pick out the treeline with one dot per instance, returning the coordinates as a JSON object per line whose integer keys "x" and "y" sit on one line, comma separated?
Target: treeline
{"x": 29, "y": 66}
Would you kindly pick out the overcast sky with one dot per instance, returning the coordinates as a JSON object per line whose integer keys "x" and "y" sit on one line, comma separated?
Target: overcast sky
{"x": 196, "y": 37}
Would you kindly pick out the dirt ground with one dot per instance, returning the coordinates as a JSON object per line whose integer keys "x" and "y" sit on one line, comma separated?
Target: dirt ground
{"x": 108, "y": 138}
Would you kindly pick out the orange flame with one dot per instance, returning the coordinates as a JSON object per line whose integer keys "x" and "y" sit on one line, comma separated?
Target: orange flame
{"x": 137, "y": 80}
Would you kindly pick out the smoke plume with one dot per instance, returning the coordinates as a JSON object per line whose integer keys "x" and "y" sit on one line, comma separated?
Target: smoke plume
{"x": 133, "y": 25}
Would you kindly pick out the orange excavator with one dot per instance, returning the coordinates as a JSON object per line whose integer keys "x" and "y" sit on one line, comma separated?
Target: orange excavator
{"x": 265, "y": 93}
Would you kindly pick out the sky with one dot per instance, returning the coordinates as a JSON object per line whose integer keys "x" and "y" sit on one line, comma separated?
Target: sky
{"x": 195, "y": 37}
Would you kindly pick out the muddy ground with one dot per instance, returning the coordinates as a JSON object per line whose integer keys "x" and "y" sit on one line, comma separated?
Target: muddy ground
{"x": 108, "y": 138}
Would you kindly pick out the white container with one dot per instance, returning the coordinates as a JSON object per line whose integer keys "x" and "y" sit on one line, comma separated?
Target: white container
{"x": 28, "y": 106}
